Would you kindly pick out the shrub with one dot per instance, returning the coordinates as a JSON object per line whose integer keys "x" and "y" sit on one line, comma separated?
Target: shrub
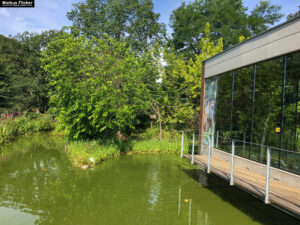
{"x": 25, "y": 124}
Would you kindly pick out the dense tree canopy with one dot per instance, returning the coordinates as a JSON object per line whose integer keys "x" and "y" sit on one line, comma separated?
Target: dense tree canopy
{"x": 131, "y": 20}
{"x": 262, "y": 16}
{"x": 12, "y": 74}
{"x": 228, "y": 19}
{"x": 99, "y": 87}
{"x": 23, "y": 84}
{"x": 179, "y": 97}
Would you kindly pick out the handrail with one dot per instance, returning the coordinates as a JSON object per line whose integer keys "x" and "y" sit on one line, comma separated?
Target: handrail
{"x": 252, "y": 143}
{"x": 241, "y": 141}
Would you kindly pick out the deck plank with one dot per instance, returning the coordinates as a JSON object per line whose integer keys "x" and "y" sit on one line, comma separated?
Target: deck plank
{"x": 281, "y": 195}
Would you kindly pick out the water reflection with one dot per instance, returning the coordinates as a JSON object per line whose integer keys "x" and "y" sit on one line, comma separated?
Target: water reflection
{"x": 16, "y": 217}
{"x": 179, "y": 200}
{"x": 153, "y": 176}
{"x": 202, "y": 217}
{"x": 41, "y": 187}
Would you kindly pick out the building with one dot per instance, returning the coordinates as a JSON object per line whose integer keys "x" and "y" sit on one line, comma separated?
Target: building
{"x": 251, "y": 93}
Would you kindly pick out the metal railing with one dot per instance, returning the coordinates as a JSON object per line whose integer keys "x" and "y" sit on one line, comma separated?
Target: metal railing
{"x": 280, "y": 158}
{"x": 188, "y": 136}
{"x": 242, "y": 148}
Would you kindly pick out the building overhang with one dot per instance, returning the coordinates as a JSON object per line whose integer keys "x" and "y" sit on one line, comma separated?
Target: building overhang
{"x": 279, "y": 40}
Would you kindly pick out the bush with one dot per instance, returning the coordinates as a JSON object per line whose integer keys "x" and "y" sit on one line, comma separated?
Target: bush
{"x": 99, "y": 88}
{"x": 25, "y": 124}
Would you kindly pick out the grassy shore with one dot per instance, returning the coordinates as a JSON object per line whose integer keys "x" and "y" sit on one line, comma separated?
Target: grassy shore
{"x": 12, "y": 127}
{"x": 92, "y": 152}
{"x": 87, "y": 152}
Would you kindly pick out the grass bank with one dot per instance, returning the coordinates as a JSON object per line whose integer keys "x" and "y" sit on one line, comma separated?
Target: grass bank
{"x": 89, "y": 153}
{"x": 11, "y": 127}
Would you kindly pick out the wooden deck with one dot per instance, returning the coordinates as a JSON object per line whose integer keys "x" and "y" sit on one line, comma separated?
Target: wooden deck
{"x": 282, "y": 196}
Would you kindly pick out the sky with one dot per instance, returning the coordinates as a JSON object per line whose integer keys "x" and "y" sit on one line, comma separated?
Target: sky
{"x": 51, "y": 14}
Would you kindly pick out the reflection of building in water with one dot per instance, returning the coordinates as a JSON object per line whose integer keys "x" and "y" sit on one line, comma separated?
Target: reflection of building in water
{"x": 203, "y": 179}
{"x": 202, "y": 218}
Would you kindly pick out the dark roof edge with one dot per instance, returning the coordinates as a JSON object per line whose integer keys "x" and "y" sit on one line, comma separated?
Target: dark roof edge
{"x": 262, "y": 33}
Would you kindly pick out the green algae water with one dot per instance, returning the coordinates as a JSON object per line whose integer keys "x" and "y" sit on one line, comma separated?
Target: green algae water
{"x": 39, "y": 185}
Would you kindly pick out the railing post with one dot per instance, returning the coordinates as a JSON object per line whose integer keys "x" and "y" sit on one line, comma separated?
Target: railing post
{"x": 212, "y": 143}
{"x": 217, "y": 141}
{"x": 193, "y": 148}
{"x": 209, "y": 154}
{"x": 181, "y": 154}
{"x": 232, "y": 163}
{"x": 267, "y": 201}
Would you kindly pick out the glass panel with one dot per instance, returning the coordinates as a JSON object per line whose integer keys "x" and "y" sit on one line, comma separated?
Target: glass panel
{"x": 291, "y": 102}
{"x": 242, "y": 109}
{"x": 267, "y": 105}
{"x": 291, "y": 125}
{"x": 223, "y": 111}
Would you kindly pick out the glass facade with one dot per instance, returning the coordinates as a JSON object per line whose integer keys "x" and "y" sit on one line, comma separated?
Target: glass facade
{"x": 242, "y": 110}
{"x": 223, "y": 117}
{"x": 257, "y": 106}
{"x": 267, "y": 106}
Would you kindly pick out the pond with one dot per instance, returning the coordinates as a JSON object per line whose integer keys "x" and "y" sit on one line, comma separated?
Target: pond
{"x": 39, "y": 185}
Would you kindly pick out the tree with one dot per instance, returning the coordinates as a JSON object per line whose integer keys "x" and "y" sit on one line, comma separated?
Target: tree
{"x": 131, "y": 20}
{"x": 293, "y": 15}
{"x": 99, "y": 86}
{"x": 228, "y": 19}
{"x": 23, "y": 84}
{"x": 12, "y": 70}
{"x": 5, "y": 92}
{"x": 33, "y": 84}
{"x": 262, "y": 16}
{"x": 181, "y": 84}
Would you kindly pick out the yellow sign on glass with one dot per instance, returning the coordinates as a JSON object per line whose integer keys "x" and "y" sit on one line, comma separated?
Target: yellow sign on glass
{"x": 277, "y": 129}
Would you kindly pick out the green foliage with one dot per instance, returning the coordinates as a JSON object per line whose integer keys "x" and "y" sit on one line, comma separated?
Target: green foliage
{"x": 10, "y": 67}
{"x": 242, "y": 38}
{"x": 26, "y": 124}
{"x": 153, "y": 133}
{"x": 182, "y": 84}
{"x": 92, "y": 152}
{"x": 81, "y": 152}
{"x": 262, "y": 16}
{"x": 131, "y": 20}
{"x": 5, "y": 92}
{"x": 228, "y": 19}
{"x": 23, "y": 84}
{"x": 293, "y": 15}
{"x": 99, "y": 86}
